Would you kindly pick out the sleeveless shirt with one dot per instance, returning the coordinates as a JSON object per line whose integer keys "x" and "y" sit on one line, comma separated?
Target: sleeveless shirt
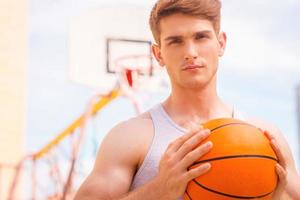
{"x": 165, "y": 131}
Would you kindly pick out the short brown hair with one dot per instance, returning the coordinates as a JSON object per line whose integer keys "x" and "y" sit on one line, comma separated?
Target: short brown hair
{"x": 207, "y": 9}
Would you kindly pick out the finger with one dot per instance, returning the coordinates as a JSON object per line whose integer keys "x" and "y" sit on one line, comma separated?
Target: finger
{"x": 276, "y": 148}
{"x": 281, "y": 182}
{"x": 278, "y": 152}
{"x": 260, "y": 130}
{"x": 194, "y": 155}
{"x": 282, "y": 174}
{"x": 268, "y": 135}
{"x": 192, "y": 143}
{"x": 176, "y": 144}
{"x": 197, "y": 171}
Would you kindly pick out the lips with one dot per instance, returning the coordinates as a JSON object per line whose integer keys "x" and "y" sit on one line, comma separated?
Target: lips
{"x": 190, "y": 67}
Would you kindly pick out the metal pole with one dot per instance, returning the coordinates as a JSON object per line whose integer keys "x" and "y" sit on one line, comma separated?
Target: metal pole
{"x": 33, "y": 180}
{"x": 298, "y": 114}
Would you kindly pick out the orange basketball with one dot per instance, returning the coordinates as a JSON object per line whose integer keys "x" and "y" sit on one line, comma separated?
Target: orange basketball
{"x": 243, "y": 164}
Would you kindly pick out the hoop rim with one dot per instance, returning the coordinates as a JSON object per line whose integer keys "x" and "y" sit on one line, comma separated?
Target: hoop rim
{"x": 143, "y": 70}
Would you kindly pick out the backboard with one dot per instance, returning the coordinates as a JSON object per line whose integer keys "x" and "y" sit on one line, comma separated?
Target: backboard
{"x": 102, "y": 38}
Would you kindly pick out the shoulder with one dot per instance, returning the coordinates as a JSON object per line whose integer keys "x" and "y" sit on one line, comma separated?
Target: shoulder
{"x": 127, "y": 141}
{"x": 265, "y": 126}
{"x": 279, "y": 137}
{"x": 134, "y": 130}
{"x": 271, "y": 128}
{"x": 132, "y": 127}
{"x": 259, "y": 123}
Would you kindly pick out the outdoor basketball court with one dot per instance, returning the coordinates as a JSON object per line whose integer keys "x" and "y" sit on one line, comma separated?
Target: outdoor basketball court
{"x": 69, "y": 71}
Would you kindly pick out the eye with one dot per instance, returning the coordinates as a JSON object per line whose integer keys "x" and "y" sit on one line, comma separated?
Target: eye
{"x": 200, "y": 36}
{"x": 175, "y": 41}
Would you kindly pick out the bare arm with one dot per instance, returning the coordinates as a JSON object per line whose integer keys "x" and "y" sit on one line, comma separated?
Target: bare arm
{"x": 116, "y": 165}
{"x": 286, "y": 160}
{"x": 284, "y": 154}
{"x": 98, "y": 187}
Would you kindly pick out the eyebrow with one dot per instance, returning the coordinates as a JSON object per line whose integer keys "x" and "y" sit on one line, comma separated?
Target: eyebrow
{"x": 174, "y": 37}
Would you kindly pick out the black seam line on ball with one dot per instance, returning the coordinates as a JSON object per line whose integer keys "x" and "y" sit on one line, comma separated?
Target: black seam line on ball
{"x": 235, "y": 156}
{"x": 234, "y": 123}
{"x": 230, "y": 195}
{"x": 186, "y": 192}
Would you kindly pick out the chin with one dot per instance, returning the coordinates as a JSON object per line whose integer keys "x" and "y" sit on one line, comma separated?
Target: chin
{"x": 196, "y": 84}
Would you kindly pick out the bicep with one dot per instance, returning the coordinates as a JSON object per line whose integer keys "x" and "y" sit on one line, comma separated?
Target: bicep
{"x": 105, "y": 185}
{"x": 114, "y": 168}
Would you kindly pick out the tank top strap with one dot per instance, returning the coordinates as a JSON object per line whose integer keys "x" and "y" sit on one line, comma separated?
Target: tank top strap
{"x": 161, "y": 119}
{"x": 164, "y": 133}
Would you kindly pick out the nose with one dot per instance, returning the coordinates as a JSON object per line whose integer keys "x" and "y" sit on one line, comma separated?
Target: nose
{"x": 190, "y": 52}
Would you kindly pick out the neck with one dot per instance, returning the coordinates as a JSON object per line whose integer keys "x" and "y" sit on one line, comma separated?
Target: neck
{"x": 199, "y": 105}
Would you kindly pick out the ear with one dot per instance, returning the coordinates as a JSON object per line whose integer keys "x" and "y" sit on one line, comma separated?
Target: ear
{"x": 157, "y": 54}
{"x": 222, "y": 42}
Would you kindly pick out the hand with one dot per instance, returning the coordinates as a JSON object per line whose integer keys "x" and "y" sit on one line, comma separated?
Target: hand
{"x": 174, "y": 175}
{"x": 280, "y": 168}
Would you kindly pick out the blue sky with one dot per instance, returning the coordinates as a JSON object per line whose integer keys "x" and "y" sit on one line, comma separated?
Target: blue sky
{"x": 258, "y": 74}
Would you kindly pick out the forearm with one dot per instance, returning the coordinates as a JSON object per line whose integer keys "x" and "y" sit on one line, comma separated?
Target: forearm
{"x": 149, "y": 191}
{"x": 292, "y": 188}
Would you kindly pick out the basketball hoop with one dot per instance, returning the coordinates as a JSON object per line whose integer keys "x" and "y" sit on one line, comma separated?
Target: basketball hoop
{"x": 141, "y": 72}
{"x": 131, "y": 68}
{"x": 133, "y": 72}
{"x": 140, "y": 63}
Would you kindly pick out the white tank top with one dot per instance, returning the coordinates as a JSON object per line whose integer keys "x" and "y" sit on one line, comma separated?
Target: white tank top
{"x": 165, "y": 131}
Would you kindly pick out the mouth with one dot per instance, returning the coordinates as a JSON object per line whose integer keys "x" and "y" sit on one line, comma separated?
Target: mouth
{"x": 192, "y": 67}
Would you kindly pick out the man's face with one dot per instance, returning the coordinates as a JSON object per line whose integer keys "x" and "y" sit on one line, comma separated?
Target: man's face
{"x": 190, "y": 50}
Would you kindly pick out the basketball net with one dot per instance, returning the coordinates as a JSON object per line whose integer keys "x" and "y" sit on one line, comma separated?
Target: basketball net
{"x": 56, "y": 171}
{"x": 133, "y": 72}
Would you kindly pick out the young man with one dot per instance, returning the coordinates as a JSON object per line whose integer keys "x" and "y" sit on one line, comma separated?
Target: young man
{"x": 147, "y": 157}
